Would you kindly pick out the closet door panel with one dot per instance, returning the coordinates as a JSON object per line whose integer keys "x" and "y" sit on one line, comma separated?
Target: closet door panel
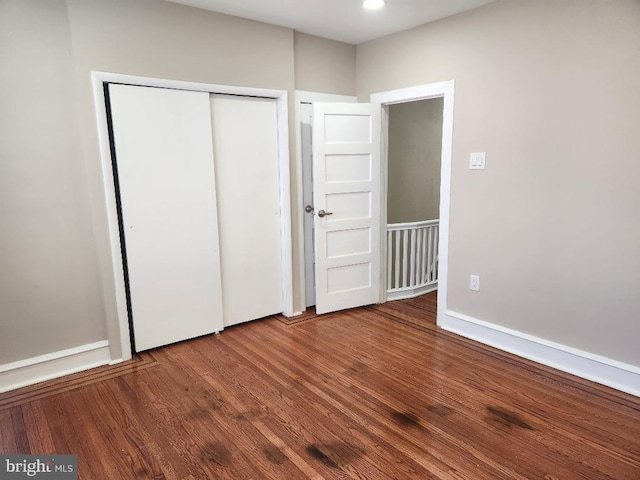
{"x": 164, "y": 157}
{"x": 245, "y": 142}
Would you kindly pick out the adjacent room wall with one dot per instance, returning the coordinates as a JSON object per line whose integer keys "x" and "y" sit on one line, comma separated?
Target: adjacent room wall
{"x": 415, "y": 148}
{"x": 324, "y": 66}
{"x": 549, "y": 89}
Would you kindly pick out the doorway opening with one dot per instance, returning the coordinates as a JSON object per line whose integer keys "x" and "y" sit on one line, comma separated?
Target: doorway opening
{"x": 444, "y": 90}
{"x": 414, "y": 152}
{"x": 437, "y": 265}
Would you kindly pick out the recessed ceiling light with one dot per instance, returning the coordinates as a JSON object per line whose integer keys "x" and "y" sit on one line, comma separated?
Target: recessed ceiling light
{"x": 373, "y": 4}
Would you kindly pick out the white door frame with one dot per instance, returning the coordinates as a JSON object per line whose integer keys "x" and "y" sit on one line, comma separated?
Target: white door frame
{"x": 411, "y": 94}
{"x": 118, "y": 324}
{"x": 301, "y": 97}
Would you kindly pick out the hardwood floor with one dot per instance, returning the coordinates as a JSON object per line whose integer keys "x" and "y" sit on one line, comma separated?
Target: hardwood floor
{"x": 377, "y": 392}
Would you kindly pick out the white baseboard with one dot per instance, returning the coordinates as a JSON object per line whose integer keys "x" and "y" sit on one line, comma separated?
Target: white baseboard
{"x": 53, "y": 365}
{"x": 410, "y": 292}
{"x": 603, "y": 370}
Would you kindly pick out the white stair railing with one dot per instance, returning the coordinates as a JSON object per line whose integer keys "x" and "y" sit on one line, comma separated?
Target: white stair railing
{"x": 412, "y": 258}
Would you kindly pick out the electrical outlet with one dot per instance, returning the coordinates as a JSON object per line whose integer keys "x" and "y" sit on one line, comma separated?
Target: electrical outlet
{"x": 474, "y": 283}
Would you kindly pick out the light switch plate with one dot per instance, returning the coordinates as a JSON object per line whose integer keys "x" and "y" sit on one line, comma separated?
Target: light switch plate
{"x": 477, "y": 160}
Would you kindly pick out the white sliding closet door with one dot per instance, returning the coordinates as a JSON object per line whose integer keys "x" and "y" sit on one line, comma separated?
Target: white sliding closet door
{"x": 245, "y": 142}
{"x": 164, "y": 158}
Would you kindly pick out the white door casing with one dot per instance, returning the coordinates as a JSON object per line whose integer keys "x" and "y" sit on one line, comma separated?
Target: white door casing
{"x": 245, "y": 144}
{"x": 346, "y": 173}
{"x": 167, "y": 189}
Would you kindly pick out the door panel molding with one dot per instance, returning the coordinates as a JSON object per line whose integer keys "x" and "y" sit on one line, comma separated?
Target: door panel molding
{"x": 114, "y": 293}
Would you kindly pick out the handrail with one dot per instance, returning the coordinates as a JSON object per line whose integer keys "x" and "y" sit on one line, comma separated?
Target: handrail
{"x": 411, "y": 225}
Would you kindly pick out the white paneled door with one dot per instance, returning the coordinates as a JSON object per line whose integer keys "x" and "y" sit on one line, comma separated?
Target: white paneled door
{"x": 346, "y": 183}
{"x": 164, "y": 158}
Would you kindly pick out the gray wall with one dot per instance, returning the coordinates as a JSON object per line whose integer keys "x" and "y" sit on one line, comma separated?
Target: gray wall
{"x": 50, "y": 296}
{"x": 415, "y": 149}
{"x": 549, "y": 89}
{"x": 324, "y": 66}
{"x": 54, "y": 238}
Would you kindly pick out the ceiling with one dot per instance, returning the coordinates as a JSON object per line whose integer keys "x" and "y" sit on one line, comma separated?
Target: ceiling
{"x": 343, "y": 20}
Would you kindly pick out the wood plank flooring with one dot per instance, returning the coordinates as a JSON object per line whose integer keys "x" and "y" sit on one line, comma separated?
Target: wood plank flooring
{"x": 372, "y": 393}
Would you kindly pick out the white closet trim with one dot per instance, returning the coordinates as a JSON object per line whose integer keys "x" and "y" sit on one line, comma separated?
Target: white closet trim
{"x": 117, "y": 322}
